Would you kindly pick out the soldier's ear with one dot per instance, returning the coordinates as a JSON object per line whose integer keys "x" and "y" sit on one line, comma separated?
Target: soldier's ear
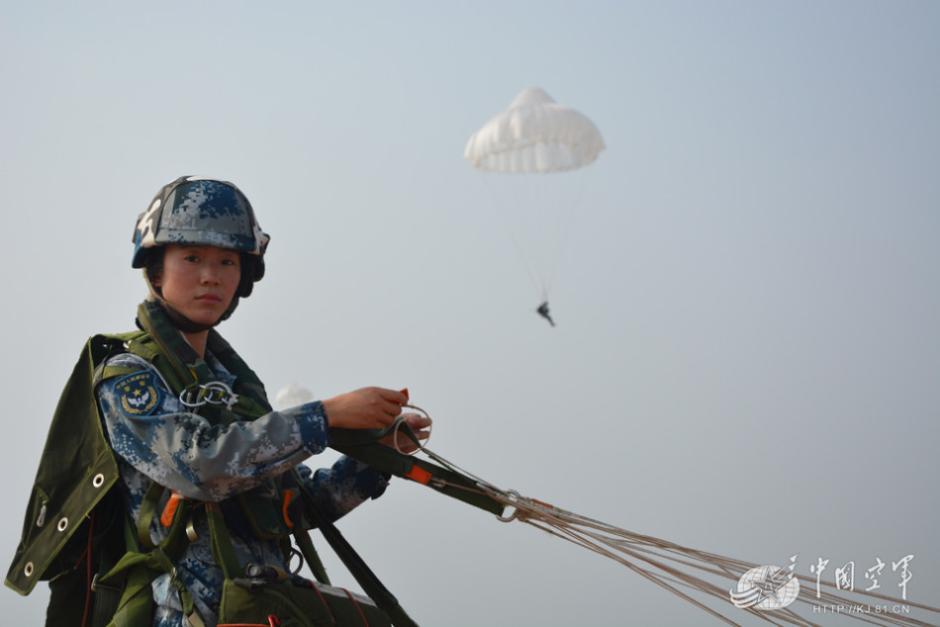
{"x": 153, "y": 268}
{"x": 155, "y": 275}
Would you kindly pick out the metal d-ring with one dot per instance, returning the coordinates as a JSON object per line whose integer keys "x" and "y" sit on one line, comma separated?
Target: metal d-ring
{"x": 300, "y": 561}
{"x": 213, "y": 393}
{"x": 513, "y": 498}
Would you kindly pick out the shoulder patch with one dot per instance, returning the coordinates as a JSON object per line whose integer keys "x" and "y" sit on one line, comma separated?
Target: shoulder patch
{"x": 138, "y": 394}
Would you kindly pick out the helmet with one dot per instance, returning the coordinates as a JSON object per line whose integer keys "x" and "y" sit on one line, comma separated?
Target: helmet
{"x": 203, "y": 212}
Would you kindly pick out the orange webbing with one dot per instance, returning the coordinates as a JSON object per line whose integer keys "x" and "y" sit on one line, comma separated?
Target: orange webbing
{"x": 419, "y": 474}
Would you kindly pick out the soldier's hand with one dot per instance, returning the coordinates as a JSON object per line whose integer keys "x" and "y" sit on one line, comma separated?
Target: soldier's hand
{"x": 419, "y": 424}
{"x": 366, "y": 408}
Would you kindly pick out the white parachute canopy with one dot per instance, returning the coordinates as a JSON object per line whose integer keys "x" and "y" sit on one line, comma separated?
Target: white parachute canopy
{"x": 535, "y": 135}
{"x": 292, "y": 395}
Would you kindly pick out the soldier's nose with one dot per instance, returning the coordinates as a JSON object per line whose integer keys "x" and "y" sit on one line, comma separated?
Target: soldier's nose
{"x": 210, "y": 277}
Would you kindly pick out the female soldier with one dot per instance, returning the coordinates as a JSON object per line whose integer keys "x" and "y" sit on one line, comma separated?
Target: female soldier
{"x": 189, "y": 422}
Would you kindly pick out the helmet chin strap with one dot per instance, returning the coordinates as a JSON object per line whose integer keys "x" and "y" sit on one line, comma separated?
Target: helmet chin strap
{"x": 183, "y": 323}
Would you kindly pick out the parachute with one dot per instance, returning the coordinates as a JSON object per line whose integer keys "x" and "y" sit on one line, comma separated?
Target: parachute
{"x": 291, "y": 395}
{"x": 536, "y": 136}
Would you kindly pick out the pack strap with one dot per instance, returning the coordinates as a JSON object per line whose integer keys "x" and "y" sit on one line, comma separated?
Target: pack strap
{"x": 224, "y": 554}
{"x": 138, "y": 569}
{"x": 148, "y": 511}
{"x": 185, "y": 364}
{"x": 364, "y": 445}
{"x": 305, "y": 544}
{"x": 221, "y": 541}
{"x": 364, "y": 576}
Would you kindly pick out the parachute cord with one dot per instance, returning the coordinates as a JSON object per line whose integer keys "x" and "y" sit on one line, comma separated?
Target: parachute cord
{"x": 628, "y": 547}
{"x": 661, "y": 561}
{"x": 566, "y": 225}
{"x": 539, "y": 286}
{"x": 498, "y": 205}
{"x": 519, "y": 207}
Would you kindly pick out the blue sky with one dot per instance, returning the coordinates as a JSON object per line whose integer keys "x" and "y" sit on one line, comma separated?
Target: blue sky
{"x": 750, "y": 279}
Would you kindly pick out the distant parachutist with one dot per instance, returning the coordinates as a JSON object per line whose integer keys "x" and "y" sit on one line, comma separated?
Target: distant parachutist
{"x": 543, "y": 311}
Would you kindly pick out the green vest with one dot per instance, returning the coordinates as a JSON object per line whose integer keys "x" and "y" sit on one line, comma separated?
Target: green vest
{"x": 73, "y": 511}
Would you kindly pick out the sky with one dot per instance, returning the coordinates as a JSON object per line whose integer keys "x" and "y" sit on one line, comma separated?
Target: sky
{"x": 747, "y": 292}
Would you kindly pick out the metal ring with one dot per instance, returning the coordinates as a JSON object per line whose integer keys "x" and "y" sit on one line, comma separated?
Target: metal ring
{"x": 513, "y": 498}
{"x": 398, "y": 425}
{"x": 28, "y": 569}
{"x": 191, "y": 530}
{"x": 300, "y": 562}
{"x": 219, "y": 393}
{"x": 187, "y": 393}
{"x": 213, "y": 393}
{"x": 63, "y": 524}
{"x": 98, "y": 480}
{"x": 41, "y": 518}
{"x": 510, "y": 518}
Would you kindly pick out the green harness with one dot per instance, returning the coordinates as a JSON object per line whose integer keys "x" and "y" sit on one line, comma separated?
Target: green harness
{"x": 78, "y": 536}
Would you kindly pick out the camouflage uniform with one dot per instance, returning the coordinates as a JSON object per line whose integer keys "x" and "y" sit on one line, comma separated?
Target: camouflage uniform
{"x": 159, "y": 439}
{"x": 119, "y": 422}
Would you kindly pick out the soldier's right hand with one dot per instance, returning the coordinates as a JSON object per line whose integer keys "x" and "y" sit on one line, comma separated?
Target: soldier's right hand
{"x": 365, "y": 408}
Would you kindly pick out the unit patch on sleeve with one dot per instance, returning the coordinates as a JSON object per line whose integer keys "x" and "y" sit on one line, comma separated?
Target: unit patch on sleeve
{"x": 138, "y": 393}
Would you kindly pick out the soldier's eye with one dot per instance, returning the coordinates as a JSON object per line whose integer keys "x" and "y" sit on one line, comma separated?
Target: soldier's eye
{"x": 191, "y": 258}
{"x": 230, "y": 262}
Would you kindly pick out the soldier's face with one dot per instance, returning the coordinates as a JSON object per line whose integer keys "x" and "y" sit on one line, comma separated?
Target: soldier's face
{"x": 199, "y": 281}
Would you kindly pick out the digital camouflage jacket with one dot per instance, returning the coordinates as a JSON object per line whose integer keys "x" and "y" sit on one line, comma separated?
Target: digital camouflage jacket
{"x": 218, "y": 447}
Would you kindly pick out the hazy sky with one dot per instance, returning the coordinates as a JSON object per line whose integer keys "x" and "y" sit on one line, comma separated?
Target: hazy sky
{"x": 747, "y": 352}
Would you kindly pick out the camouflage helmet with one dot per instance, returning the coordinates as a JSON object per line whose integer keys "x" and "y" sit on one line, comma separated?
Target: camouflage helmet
{"x": 203, "y": 212}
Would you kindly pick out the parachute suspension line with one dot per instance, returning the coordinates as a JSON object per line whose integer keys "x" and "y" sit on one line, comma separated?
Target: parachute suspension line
{"x": 565, "y": 224}
{"x": 518, "y": 208}
{"x": 504, "y": 211}
{"x": 539, "y": 286}
{"x": 662, "y": 580}
{"x": 670, "y": 565}
{"x": 626, "y": 548}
